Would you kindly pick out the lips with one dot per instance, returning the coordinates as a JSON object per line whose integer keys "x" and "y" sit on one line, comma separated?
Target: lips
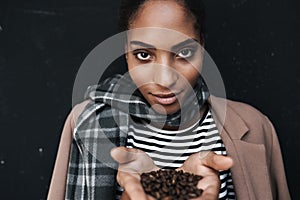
{"x": 165, "y": 99}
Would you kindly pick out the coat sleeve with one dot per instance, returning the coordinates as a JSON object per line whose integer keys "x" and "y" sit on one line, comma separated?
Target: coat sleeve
{"x": 277, "y": 173}
{"x": 59, "y": 177}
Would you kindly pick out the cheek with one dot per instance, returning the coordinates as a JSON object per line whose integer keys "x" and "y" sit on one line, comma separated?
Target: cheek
{"x": 190, "y": 74}
{"x": 141, "y": 74}
{"x": 132, "y": 69}
{"x": 192, "y": 79}
{"x": 130, "y": 62}
{"x": 143, "y": 89}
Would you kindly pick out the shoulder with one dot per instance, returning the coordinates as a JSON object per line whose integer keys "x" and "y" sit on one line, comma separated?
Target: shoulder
{"x": 76, "y": 111}
{"x": 250, "y": 114}
{"x": 241, "y": 116}
{"x": 245, "y": 111}
{"x": 230, "y": 107}
{"x": 260, "y": 127}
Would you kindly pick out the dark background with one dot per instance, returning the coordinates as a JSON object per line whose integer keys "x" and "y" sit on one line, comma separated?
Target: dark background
{"x": 254, "y": 43}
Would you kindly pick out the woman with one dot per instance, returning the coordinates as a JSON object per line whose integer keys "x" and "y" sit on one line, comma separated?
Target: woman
{"x": 168, "y": 122}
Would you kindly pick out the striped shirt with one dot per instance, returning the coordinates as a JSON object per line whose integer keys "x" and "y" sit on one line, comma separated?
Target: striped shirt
{"x": 169, "y": 149}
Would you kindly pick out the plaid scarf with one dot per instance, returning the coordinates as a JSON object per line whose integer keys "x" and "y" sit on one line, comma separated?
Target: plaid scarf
{"x": 104, "y": 124}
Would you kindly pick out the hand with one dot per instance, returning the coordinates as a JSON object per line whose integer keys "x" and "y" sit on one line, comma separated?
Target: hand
{"x": 207, "y": 165}
{"x": 132, "y": 163}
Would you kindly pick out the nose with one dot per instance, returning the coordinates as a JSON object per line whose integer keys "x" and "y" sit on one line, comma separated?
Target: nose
{"x": 165, "y": 74}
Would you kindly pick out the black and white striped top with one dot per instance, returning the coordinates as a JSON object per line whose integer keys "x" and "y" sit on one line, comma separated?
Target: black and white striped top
{"x": 169, "y": 149}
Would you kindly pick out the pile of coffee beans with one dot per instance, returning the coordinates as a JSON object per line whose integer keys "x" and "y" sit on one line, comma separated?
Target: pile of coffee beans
{"x": 171, "y": 184}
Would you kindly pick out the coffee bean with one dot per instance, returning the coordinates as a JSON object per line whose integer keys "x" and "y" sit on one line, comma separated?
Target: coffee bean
{"x": 171, "y": 184}
{"x": 165, "y": 189}
{"x": 199, "y": 192}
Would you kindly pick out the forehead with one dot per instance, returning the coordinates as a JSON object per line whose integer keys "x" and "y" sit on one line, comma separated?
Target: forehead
{"x": 165, "y": 14}
{"x": 159, "y": 38}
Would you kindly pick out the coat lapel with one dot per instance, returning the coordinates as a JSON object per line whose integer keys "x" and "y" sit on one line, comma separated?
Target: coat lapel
{"x": 250, "y": 168}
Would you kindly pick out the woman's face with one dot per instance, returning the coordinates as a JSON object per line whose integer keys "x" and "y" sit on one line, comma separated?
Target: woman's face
{"x": 165, "y": 61}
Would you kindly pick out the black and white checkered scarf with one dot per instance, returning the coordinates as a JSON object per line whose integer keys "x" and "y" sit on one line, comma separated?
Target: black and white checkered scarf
{"x": 104, "y": 124}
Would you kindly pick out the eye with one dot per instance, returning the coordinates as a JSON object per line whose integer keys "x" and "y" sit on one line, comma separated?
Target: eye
{"x": 185, "y": 53}
{"x": 143, "y": 56}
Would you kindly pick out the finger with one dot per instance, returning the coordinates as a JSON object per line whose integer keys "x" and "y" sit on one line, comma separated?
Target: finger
{"x": 202, "y": 171}
{"x": 210, "y": 186}
{"x": 123, "y": 155}
{"x": 209, "y": 181}
{"x": 217, "y": 162}
{"x": 210, "y": 193}
{"x": 138, "y": 167}
{"x": 132, "y": 186}
{"x": 150, "y": 197}
{"x": 211, "y": 189}
{"x": 125, "y": 196}
{"x": 133, "y": 160}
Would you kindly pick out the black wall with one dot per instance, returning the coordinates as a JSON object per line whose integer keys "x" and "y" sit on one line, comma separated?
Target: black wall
{"x": 42, "y": 44}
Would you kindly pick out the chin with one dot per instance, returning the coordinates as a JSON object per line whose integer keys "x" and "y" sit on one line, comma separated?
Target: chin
{"x": 170, "y": 109}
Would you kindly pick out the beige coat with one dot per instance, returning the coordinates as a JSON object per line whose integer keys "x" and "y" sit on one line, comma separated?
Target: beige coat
{"x": 249, "y": 138}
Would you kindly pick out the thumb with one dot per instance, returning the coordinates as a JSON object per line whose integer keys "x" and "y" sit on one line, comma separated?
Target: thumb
{"x": 123, "y": 155}
{"x": 131, "y": 159}
{"x": 217, "y": 162}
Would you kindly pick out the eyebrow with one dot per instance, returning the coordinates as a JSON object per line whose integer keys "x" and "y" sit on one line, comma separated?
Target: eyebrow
{"x": 184, "y": 43}
{"x": 173, "y": 48}
{"x": 142, "y": 44}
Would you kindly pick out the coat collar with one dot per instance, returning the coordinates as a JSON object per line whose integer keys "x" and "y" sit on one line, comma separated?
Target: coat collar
{"x": 225, "y": 115}
{"x": 249, "y": 170}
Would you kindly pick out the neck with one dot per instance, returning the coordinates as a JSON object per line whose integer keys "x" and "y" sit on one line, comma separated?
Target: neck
{"x": 199, "y": 115}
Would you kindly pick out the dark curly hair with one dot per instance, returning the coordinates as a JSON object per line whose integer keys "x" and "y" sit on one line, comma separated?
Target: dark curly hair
{"x": 129, "y": 9}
